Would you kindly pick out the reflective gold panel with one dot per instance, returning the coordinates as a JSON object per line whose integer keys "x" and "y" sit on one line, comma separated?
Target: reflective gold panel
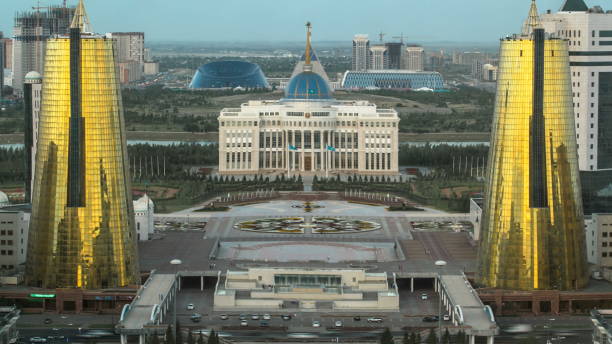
{"x": 81, "y": 231}
{"x": 533, "y": 236}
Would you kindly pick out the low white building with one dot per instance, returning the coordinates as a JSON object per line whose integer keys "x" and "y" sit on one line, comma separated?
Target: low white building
{"x": 14, "y": 223}
{"x": 306, "y": 288}
{"x": 144, "y": 209}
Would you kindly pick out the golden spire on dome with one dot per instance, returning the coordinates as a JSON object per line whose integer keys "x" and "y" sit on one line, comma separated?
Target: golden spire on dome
{"x": 308, "y": 47}
{"x": 80, "y": 19}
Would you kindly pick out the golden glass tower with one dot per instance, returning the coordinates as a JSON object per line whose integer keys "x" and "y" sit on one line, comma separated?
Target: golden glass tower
{"x": 533, "y": 228}
{"x": 81, "y": 230}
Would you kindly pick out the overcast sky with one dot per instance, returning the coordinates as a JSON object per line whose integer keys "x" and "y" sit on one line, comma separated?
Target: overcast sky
{"x": 283, "y": 20}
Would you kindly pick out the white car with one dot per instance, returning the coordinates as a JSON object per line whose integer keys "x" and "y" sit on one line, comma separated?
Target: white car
{"x": 38, "y": 340}
{"x": 316, "y": 324}
{"x": 244, "y": 323}
{"x": 267, "y": 317}
{"x": 255, "y": 317}
{"x": 375, "y": 320}
{"x": 446, "y": 317}
{"x": 424, "y": 296}
{"x": 338, "y": 323}
{"x": 190, "y": 307}
{"x": 224, "y": 316}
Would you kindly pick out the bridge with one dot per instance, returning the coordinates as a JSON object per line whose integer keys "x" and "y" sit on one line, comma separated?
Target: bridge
{"x": 461, "y": 301}
{"x": 153, "y": 303}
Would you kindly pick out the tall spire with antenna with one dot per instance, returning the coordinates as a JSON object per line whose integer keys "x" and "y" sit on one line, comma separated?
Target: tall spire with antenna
{"x": 80, "y": 19}
{"x": 533, "y": 20}
{"x": 308, "y": 47}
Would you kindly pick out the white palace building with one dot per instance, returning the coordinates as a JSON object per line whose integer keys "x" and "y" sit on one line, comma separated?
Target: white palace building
{"x": 308, "y": 131}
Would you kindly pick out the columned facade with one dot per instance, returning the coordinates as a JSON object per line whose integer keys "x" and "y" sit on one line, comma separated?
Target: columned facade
{"x": 337, "y": 137}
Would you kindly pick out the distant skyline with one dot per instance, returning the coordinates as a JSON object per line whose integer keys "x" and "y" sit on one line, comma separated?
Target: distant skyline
{"x": 483, "y": 21}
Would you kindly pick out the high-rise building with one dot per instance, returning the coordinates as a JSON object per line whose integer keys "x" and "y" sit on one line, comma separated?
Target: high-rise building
{"x": 130, "y": 55}
{"x": 361, "y": 53}
{"x": 130, "y": 46}
{"x": 82, "y": 225}
{"x": 8, "y": 52}
{"x": 1, "y": 63}
{"x": 31, "y": 31}
{"x": 489, "y": 72}
{"x": 395, "y": 52}
{"x": 414, "y": 58}
{"x": 588, "y": 33}
{"x": 532, "y": 227}
{"x": 379, "y": 57}
{"x": 32, "y": 100}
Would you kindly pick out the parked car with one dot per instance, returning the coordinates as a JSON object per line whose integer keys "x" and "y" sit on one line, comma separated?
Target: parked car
{"x": 316, "y": 324}
{"x": 190, "y": 307}
{"x": 255, "y": 317}
{"x": 357, "y": 318}
{"x": 264, "y": 324}
{"x": 433, "y": 318}
{"x": 243, "y": 316}
{"x": 375, "y": 320}
{"x": 286, "y": 317}
{"x": 224, "y": 316}
{"x": 424, "y": 296}
{"x": 338, "y": 323}
{"x": 267, "y": 317}
{"x": 244, "y": 323}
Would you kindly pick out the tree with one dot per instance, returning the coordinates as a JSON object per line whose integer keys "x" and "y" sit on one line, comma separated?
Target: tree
{"x": 406, "y": 339}
{"x": 201, "y": 338}
{"x": 179, "y": 335}
{"x": 446, "y": 339}
{"x": 190, "y": 339}
{"x": 213, "y": 338}
{"x": 460, "y": 337}
{"x": 170, "y": 335}
{"x": 431, "y": 337}
{"x": 413, "y": 338}
{"x": 386, "y": 337}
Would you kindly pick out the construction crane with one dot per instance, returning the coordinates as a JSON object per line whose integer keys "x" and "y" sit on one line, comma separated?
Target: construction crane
{"x": 401, "y": 37}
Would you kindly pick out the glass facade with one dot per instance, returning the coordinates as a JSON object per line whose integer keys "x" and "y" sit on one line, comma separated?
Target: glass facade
{"x": 88, "y": 242}
{"x": 533, "y": 235}
{"x": 604, "y": 125}
{"x": 229, "y": 74}
{"x": 323, "y": 281}
{"x": 393, "y": 80}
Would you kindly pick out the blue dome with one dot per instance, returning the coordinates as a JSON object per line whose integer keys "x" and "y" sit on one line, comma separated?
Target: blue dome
{"x": 232, "y": 74}
{"x": 309, "y": 86}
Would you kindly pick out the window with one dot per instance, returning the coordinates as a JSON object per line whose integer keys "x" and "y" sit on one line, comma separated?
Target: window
{"x": 605, "y": 33}
{"x": 604, "y": 254}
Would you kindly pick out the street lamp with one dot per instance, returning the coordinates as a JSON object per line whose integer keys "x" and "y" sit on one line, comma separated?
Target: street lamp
{"x": 440, "y": 264}
{"x": 175, "y": 262}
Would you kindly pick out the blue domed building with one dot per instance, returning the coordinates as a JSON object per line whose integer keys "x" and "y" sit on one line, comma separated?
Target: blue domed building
{"x": 308, "y": 86}
{"x": 229, "y": 74}
{"x": 308, "y": 131}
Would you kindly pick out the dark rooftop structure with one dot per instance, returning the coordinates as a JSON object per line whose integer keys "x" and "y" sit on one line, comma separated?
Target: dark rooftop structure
{"x": 574, "y": 6}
